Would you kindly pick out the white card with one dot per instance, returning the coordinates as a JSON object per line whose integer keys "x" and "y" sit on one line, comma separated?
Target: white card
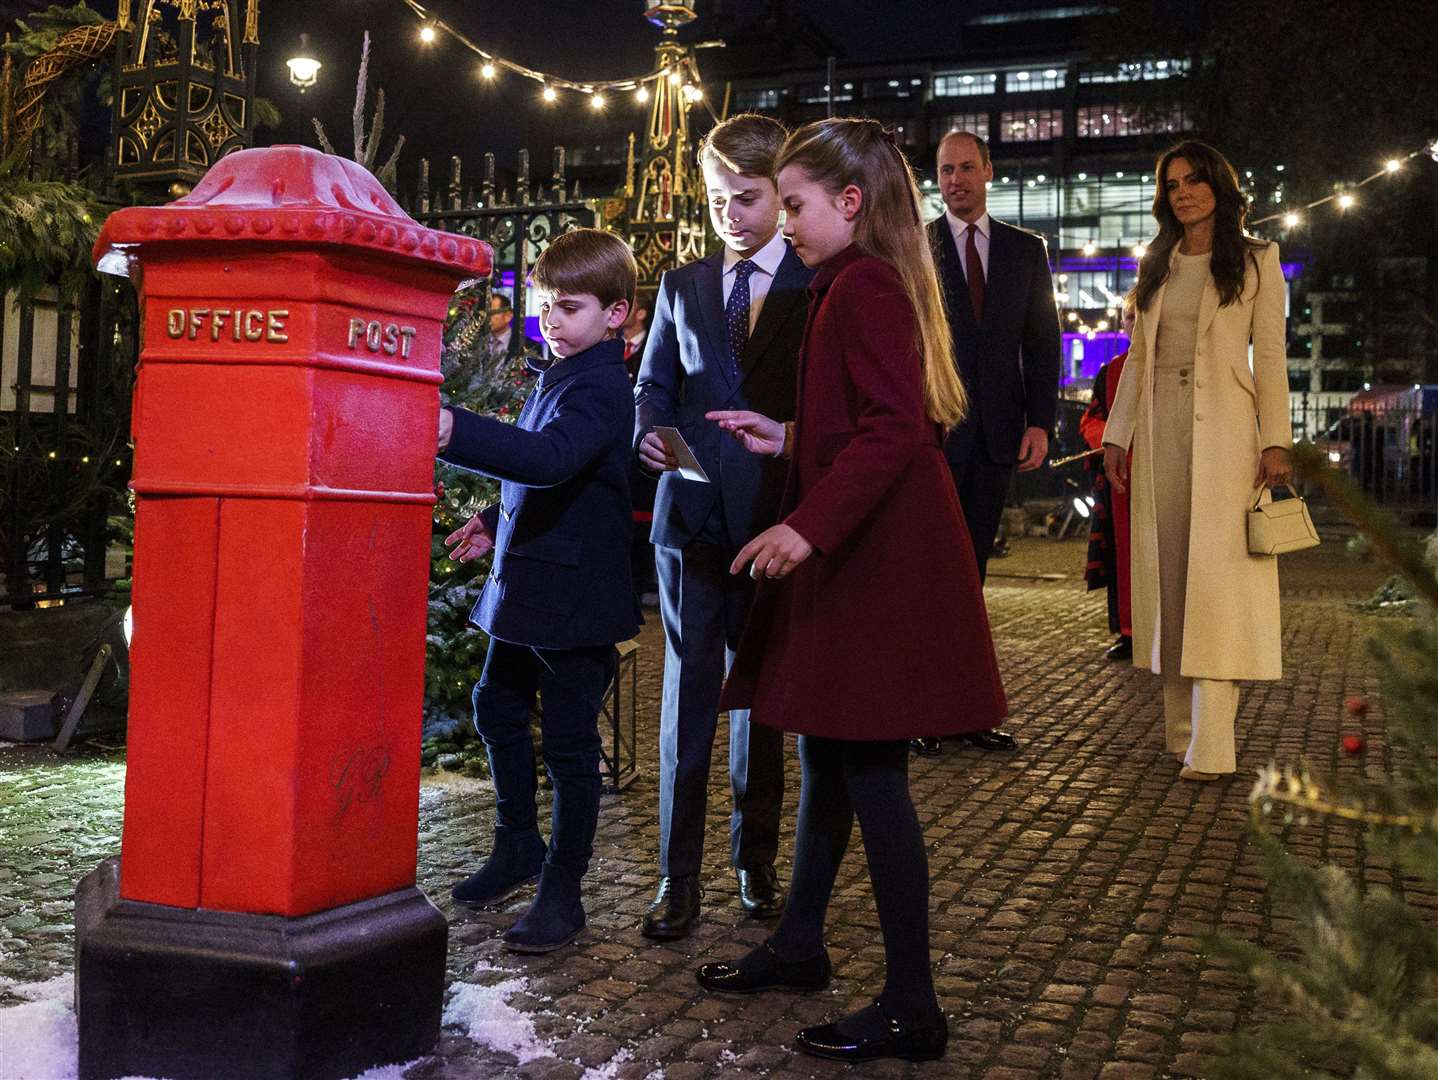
{"x": 689, "y": 466}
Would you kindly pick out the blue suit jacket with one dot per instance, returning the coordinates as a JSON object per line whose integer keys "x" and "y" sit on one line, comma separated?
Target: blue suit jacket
{"x": 562, "y": 527}
{"x": 1010, "y": 361}
{"x": 686, "y": 373}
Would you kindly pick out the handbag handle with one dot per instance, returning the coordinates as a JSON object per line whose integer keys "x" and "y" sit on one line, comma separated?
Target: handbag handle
{"x": 1258, "y": 494}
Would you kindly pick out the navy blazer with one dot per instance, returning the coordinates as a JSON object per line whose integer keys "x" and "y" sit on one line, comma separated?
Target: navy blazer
{"x": 560, "y": 578}
{"x": 686, "y": 373}
{"x": 1009, "y": 362}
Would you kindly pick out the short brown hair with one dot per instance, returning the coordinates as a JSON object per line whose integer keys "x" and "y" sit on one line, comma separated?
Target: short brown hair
{"x": 979, "y": 141}
{"x": 588, "y": 261}
{"x": 747, "y": 144}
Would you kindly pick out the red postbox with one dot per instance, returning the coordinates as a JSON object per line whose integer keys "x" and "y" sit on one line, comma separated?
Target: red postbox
{"x": 263, "y": 919}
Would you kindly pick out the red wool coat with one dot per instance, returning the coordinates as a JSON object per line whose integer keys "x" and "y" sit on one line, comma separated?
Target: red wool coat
{"x": 882, "y": 632}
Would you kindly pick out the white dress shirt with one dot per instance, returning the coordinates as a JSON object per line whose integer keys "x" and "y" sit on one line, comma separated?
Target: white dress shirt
{"x": 766, "y": 265}
{"x": 959, "y": 227}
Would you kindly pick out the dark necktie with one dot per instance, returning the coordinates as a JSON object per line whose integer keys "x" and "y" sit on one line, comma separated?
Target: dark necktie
{"x": 974, "y": 271}
{"x": 736, "y": 313}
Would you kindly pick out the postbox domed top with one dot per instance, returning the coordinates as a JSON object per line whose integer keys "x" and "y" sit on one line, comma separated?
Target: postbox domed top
{"x": 288, "y": 195}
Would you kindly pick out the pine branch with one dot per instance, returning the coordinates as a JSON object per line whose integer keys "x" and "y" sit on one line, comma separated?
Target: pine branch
{"x": 361, "y": 91}
{"x": 389, "y": 174}
{"x": 325, "y": 144}
{"x": 1402, "y": 554}
{"x": 371, "y": 153}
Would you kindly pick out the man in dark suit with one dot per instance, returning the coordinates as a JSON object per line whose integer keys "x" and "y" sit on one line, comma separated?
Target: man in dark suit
{"x": 505, "y": 343}
{"x": 1007, "y": 345}
{"x": 725, "y": 335}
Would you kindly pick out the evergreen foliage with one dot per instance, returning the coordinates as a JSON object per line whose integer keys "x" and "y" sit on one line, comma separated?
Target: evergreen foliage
{"x": 1360, "y": 997}
{"x": 454, "y": 650}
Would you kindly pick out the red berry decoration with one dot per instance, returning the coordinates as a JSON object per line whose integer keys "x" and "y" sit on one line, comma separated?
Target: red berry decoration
{"x": 1353, "y": 745}
{"x": 1356, "y": 706}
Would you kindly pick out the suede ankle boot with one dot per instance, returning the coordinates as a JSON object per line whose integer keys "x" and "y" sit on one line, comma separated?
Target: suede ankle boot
{"x": 513, "y": 863}
{"x": 554, "y": 919}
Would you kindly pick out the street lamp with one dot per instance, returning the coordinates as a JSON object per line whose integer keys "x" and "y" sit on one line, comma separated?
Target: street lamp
{"x": 304, "y": 68}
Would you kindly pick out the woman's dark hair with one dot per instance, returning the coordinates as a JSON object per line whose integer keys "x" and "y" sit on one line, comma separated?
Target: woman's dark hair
{"x": 1233, "y": 249}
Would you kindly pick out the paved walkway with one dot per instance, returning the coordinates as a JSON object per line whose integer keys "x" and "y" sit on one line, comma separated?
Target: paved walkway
{"x": 1072, "y": 882}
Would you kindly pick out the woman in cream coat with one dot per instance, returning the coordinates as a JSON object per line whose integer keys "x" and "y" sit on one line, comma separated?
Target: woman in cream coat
{"x": 1208, "y": 428}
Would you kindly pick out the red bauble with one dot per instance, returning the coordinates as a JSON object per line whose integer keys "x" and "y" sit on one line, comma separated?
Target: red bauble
{"x": 1356, "y": 706}
{"x": 1353, "y": 745}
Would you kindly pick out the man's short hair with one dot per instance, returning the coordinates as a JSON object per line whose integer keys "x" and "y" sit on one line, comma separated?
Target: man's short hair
{"x": 505, "y": 303}
{"x": 588, "y": 261}
{"x": 979, "y": 141}
{"x": 747, "y": 144}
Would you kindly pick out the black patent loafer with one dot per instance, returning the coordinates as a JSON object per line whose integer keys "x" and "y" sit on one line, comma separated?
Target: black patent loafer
{"x": 926, "y": 747}
{"x": 768, "y": 973}
{"x": 674, "y": 911}
{"x": 991, "y": 740}
{"x": 759, "y": 893}
{"x": 905, "y": 1040}
{"x": 1122, "y": 649}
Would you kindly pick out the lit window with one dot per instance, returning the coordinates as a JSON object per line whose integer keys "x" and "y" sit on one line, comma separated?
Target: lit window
{"x": 965, "y": 83}
{"x": 1032, "y": 125}
{"x": 1020, "y": 82}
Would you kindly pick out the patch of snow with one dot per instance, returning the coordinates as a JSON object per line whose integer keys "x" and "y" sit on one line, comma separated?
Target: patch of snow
{"x": 610, "y": 1069}
{"x": 487, "y": 1017}
{"x": 39, "y": 1039}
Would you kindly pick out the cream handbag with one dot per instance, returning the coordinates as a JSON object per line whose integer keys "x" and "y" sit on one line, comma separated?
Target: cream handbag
{"x": 1278, "y": 527}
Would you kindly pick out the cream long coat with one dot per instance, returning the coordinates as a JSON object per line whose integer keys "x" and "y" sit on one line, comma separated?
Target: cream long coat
{"x": 1231, "y": 626}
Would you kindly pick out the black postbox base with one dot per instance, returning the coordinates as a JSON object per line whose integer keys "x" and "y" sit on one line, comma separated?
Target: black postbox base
{"x": 192, "y": 994}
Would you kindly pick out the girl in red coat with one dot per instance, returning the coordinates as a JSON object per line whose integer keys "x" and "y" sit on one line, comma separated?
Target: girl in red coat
{"x": 869, "y": 625}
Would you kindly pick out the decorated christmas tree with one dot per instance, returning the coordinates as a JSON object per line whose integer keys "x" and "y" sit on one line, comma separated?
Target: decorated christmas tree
{"x": 454, "y": 650}
{"x": 1359, "y": 996}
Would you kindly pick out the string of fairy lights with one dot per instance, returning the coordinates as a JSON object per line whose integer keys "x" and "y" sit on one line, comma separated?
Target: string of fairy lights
{"x": 683, "y": 74}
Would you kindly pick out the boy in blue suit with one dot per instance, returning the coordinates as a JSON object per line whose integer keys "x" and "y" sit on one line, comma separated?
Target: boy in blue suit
{"x": 725, "y": 335}
{"x": 559, "y": 595}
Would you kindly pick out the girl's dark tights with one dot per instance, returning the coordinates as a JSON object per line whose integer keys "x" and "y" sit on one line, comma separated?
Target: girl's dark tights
{"x": 870, "y": 780}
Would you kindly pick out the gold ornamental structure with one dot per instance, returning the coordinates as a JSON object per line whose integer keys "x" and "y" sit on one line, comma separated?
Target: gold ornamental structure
{"x": 184, "y": 86}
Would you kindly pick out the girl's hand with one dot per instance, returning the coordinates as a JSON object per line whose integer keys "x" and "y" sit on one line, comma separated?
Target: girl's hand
{"x": 1115, "y": 467}
{"x": 773, "y": 553}
{"x": 1273, "y": 467}
{"x": 470, "y": 541}
{"x": 757, "y": 434}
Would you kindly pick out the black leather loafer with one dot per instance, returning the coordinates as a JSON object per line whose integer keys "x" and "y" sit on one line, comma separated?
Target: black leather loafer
{"x": 1122, "y": 649}
{"x": 759, "y": 893}
{"x": 991, "y": 740}
{"x": 675, "y": 909}
{"x": 926, "y": 747}
{"x": 770, "y": 973}
{"x": 906, "y": 1041}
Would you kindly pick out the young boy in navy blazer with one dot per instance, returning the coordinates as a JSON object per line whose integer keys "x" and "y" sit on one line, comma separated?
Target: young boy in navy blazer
{"x": 559, "y": 595}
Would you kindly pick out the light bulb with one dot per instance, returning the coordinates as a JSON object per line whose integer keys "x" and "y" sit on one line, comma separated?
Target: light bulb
{"x": 549, "y": 93}
{"x": 641, "y": 95}
{"x": 1345, "y": 201}
{"x": 1393, "y": 165}
{"x": 1090, "y": 248}
{"x": 596, "y": 101}
{"x": 427, "y": 35}
{"x": 1140, "y": 250}
{"x": 486, "y": 71}
{"x": 674, "y": 78}
{"x": 1290, "y": 221}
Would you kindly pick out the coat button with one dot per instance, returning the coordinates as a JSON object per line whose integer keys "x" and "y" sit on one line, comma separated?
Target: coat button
{"x": 1183, "y": 371}
{"x": 1182, "y": 382}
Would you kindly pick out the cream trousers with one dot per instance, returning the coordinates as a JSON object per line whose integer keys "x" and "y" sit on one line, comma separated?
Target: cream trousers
{"x": 1198, "y": 716}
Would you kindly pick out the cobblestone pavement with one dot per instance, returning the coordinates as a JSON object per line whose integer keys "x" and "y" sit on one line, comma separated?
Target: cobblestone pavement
{"x": 1072, "y": 881}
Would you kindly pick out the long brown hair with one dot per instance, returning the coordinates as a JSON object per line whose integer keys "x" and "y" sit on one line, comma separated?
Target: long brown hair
{"x": 1233, "y": 249}
{"x": 839, "y": 152}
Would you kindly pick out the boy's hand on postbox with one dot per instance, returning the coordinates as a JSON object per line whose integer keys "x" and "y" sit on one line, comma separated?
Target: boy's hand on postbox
{"x": 470, "y": 541}
{"x": 446, "y": 429}
{"x": 773, "y": 553}
{"x": 655, "y": 456}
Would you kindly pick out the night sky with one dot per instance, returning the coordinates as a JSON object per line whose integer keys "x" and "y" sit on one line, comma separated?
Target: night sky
{"x": 435, "y": 97}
